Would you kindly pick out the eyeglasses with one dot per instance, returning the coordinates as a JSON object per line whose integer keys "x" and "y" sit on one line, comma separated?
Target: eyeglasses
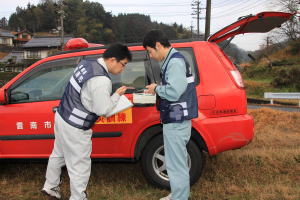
{"x": 123, "y": 64}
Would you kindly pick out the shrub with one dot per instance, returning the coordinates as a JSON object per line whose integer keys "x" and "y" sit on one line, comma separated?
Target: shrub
{"x": 295, "y": 47}
{"x": 287, "y": 77}
{"x": 283, "y": 62}
{"x": 6, "y": 76}
{"x": 261, "y": 71}
{"x": 254, "y": 88}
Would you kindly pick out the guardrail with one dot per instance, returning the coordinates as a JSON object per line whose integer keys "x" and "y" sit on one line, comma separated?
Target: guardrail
{"x": 272, "y": 95}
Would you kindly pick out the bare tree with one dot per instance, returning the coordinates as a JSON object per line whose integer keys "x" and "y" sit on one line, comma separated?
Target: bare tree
{"x": 290, "y": 29}
{"x": 3, "y": 23}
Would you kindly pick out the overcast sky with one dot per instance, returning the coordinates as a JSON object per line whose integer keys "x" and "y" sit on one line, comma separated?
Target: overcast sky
{"x": 224, "y": 12}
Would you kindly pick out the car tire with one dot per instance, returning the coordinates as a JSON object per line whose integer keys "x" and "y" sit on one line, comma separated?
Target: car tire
{"x": 153, "y": 164}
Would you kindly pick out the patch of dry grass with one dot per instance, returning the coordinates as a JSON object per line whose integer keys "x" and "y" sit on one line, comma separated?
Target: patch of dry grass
{"x": 256, "y": 88}
{"x": 266, "y": 169}
{"x": 282, "y": 54}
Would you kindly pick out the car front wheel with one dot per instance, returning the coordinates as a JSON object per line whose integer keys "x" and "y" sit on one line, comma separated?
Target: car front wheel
{"x": 154, "y": 166}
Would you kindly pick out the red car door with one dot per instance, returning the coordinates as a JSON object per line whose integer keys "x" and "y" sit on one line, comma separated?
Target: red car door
{"x": 27, "y": 120}
{"x": 115, "y": 137}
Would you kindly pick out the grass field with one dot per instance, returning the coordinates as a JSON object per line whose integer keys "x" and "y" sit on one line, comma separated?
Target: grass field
{"x": 266, "y": 169}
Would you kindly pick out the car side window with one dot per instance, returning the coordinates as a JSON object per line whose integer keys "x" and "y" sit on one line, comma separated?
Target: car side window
{"x": 45, "y": 82}
{"x": 134, "y": 74}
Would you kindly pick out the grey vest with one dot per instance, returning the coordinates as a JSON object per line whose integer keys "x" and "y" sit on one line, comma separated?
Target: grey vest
{"x": 186, "y": 107}
{"x": 71, "y": 108}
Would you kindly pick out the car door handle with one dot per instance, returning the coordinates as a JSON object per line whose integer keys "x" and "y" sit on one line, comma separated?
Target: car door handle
{"x": 54, "y": 109}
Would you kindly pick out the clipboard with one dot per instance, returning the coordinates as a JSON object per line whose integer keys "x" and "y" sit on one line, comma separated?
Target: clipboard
{"x": 122, "y": 104}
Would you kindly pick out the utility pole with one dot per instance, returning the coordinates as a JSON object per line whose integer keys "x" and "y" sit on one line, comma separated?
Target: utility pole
{"x": 196, "y": 7}
{"x": 198, "y": 17}
{"x": 191, "y": 31}
{"x": 207, "y": 19}
{"x": 61, "y": 19}
{"x": 268, "y": 42}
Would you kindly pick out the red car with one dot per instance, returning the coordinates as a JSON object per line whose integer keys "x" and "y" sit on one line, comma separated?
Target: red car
{"x": 29, "y": 100}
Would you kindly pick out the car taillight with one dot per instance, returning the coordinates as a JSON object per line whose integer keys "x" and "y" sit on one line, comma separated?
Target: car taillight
{"x": 237, "y": 78}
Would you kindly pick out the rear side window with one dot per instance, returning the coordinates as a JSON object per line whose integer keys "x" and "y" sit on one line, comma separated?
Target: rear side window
{"x": 153, "y": 68}
{"x": 46, "y": 82}
{"x": 188, "y": 53}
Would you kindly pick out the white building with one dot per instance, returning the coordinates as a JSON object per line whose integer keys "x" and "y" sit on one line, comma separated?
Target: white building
{"x": 42, "y": 47}
{"x": 6, "y": 38}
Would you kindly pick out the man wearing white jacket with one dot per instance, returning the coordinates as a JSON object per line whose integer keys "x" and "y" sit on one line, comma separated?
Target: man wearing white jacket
{"x": 87, "y": 96}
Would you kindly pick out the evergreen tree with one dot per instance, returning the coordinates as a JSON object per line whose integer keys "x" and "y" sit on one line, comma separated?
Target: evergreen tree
{"x": 3, "y": 23}
{"x": 90, "y": 21}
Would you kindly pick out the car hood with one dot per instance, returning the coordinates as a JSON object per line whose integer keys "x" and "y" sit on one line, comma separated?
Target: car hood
{"x": 260, "y": 23}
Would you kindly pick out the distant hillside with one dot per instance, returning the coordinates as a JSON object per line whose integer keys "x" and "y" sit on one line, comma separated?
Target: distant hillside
{"x": 239, "y": 55}
{"x": 276, "y": 69}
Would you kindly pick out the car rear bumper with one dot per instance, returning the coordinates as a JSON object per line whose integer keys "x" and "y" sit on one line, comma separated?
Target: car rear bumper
{"x": 226, "y": 133}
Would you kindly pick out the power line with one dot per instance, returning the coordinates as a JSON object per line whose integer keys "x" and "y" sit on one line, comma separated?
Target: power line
{"x": 170, "y": 14}
{"x": 239, "y": 15}
{"x": 224, "y": 3}
{"x": 163, "y": 13}
{"x": 148, "y": 5}
{"x": 241, "y": 6}
{"x": 231, "y": 5}
{"x": 236, "y": 10}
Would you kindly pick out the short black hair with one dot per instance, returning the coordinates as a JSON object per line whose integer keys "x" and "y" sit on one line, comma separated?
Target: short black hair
{"x": 118, "y": 51}
{"x": 154, "y": 36}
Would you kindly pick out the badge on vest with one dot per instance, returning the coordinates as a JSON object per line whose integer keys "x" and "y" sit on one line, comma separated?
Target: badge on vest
{"x": 178, "y": 111}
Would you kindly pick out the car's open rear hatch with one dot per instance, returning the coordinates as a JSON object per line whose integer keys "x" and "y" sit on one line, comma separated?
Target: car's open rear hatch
{"x": 261, "y": 23}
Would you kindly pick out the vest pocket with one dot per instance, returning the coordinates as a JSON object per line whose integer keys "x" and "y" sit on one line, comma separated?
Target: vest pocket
{"x": 176, "y": 112}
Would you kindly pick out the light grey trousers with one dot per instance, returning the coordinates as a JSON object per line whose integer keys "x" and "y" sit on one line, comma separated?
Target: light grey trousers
{"x": 72, "y": 147}
{"x": 176, "y": 137}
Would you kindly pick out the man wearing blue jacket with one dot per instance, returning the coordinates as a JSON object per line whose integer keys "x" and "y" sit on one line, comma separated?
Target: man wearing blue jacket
{"x": 177, "y": 103}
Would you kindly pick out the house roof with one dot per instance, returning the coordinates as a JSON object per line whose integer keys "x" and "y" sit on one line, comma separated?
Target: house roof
{"x": 15, "y": 55}
{"x": 6, "y": 33}
{"x": 22, "y": 39}
{"x": 3, "y": 54}
{"x": 24, "y": 31}
{"x": 48, "y": 41}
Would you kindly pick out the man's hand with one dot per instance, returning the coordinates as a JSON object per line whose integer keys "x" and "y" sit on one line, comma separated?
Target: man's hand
{"x": 151, "y": 88}
{"x": 121, "y": 90}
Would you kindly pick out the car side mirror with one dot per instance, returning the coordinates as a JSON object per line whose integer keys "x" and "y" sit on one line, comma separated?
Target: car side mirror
{"x": 3, "y": 96}
{"x": 19, "y": 96}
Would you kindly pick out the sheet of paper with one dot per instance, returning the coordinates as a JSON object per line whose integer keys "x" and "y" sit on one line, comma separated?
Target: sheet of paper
{"x": 122, "y": 104}
{"x": 143, "y": 98}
